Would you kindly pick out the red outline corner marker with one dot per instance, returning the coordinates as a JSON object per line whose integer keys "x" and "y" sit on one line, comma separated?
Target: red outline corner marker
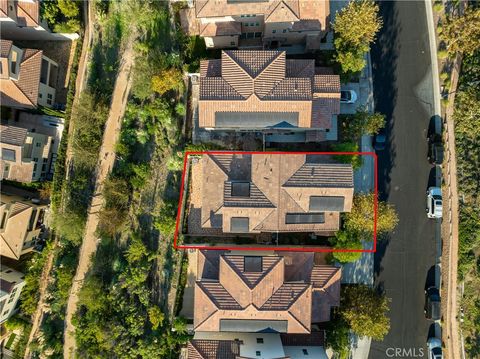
{"x": 263, "y": 248}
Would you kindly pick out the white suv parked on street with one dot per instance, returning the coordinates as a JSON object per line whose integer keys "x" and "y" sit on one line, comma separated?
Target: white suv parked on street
{"x": 434, "y": 202}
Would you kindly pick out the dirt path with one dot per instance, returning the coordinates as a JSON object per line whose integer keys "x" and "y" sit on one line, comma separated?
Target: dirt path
{"x": 450, "y": 228}
{"x": 38, "y": 315}
{"x": 105, "y": 163}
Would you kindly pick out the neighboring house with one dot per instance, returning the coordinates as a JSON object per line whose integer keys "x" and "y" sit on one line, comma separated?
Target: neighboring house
{"x": 262, "y": 91}
{"x": 254, "y": 193}
{"x": 20, "y": 20}
{"x": 12, "y": 283}
{"x": 256, "y": 346}
{"x": 21, "y": 225}
{"x": 262, "y": 24}
{"x": 29, "y": 144}
{"x": 27, "y": 77}
{"x": 275, "y": 293}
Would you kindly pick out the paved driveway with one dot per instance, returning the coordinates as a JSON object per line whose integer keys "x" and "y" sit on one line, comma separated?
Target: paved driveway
{"x": 403, "y": 91}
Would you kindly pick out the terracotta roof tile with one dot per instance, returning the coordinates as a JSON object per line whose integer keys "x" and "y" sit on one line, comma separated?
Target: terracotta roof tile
{"x": 223, "y": 28}
{"x": 13, "y": 135}
{"x": 213, "y": 349}
{"x": 5, "y": 46}
{"x": 27, "y": 13}
{"x": 219, "y": 295}
{"x": 300, "y": 68}
{"x": 285, "y": 296}
{"x": 264, "y": 81}
{"x": 326, "y": 84}
{"x": 322, "y": 175}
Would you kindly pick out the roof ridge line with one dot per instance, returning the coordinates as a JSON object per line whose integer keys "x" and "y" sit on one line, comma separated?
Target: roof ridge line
{"x": 36, "y": 21}
{"x": 8, "y": 245}
{"x": 279, "y": 53}
{"x": 297, "y": 320}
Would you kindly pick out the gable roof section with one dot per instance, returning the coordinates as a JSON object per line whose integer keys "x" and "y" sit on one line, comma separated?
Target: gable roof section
{"x": 284, "y": 11}
{"x": 252, "y": 279}
{"x": 213, "y": 349}
{"x": 27, "y": 13}
{"x": 15, "y": 230}
{"x": 322, "y": 175}
{"x": 12, "y": 135}
{"x": 24, "y": 91}
{"x": 268, "y": 295}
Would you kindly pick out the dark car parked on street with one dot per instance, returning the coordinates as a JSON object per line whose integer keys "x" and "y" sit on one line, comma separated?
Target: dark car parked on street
{"x": 432, "y": 303}
{"x": 435, "y": 149}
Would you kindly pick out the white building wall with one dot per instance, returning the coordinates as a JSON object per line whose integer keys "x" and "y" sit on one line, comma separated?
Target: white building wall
{"x": 8, "y": 301}
{"x": 305, "y": 352}
{"x": 270, "y": 348}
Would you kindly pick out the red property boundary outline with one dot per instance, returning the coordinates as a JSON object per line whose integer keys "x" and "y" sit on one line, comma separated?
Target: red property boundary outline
{"x": 264, "y": 248}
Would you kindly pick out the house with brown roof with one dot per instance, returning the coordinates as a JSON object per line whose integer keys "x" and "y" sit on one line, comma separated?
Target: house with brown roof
{"x": 263, "y": 91}
{"x": 254, "y": 193}
{"x": 27, "y": 77}
{"x": 21, "y": 225}
{"x": 20, "y": 20}
{"x": 29, "y": 145}
{"x": 274, "y": 292}
{"x": 262, "y": 24}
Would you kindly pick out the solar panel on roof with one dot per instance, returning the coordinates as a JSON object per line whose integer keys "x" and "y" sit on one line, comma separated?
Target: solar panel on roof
{"x": 304, "y": 218}
{"x": 240, "y": 189}
{"x": 239, "y": 224}
{"x": 327, "y": 203}
{"x": 256, "y": 119}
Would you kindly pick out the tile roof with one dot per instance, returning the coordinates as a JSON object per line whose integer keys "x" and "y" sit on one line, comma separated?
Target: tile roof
{"x": 213, "y": 349}
{"x": 265, "y": 81}
{"x": 272, "y": 10}
{"x": 273, "y": 293}
{"x": 22, "y": 92}
{"x": 223, "y": 28}
{"x": 5, "y": 46}
{"x": 27, "y": 12}
{"x": 278, "y": 185}
{"x": 13, "y": 135}
{"x": 322, "y": 175}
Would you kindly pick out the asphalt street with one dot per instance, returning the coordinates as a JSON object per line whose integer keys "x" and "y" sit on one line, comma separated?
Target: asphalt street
{"x": 403, "y": 91}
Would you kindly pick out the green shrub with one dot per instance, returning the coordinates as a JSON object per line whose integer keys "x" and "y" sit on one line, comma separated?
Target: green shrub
{"x": 444, "y": 76}
{"x": 438, "y": 6}
{"x": 442, "y": 54}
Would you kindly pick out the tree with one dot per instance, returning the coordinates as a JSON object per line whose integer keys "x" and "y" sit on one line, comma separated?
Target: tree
{"x": 365, "y": 311}
{"x": 362, "y": 123}
{"x": 462, "y": 33}
{"x": 337, "y": 337}
{"x": 355, "y": 29}
{"x": 361, "y": 219}
{"x": 345, "y": 240}
{"x": 170, "y": 79}
{"x": 354, "y": 160}
{"x": 155, "y": 316}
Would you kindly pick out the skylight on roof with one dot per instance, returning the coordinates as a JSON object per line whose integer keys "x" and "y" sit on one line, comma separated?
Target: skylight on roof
{"x": 252, "y": 264}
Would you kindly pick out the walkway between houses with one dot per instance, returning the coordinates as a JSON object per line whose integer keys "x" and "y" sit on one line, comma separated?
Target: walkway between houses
{"x": 105, "y": 164}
